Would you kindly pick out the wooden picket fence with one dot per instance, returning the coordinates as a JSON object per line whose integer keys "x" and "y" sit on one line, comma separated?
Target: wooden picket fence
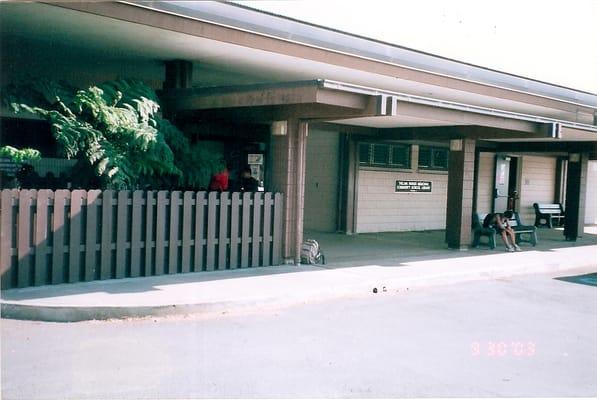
{"x": 65, "y": 236}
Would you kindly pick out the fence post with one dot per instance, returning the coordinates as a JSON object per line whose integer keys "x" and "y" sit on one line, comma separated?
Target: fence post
{"x": 267, "y": 224}
{"x": 106, "y": 243}
{"x": 277, "y": 236}
{"x": 234, "y": 231}
{"x": 185, "y": 241}
{"x": 173, "y": 237}
{"x": 74, "y": 243}
{"x": 199, "y": 231}
{"x": 41, "y": 236}
{"x": 160, "y": 232}
{"x": 223, "y": 231}
{"x": 136, "y": 233}
{"x": 24, "y": 230}
{"x": 244, "y": 246}
{"x": 212, "y": 201}
{"x": 149, "y": 243}
{"x": 256, "y": 229}
{"x": 122, "y": 222}
{"x": 7, "y": 226}
{"x": 58, "y": 227}
{"x": 91, "y": 235}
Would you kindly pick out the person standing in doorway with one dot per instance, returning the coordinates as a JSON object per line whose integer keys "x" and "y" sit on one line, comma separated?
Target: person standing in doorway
{"x": 246, "y": 182}
{"x": 219, "y": 181}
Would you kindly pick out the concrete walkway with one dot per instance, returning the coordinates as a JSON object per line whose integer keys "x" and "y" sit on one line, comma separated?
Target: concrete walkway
{"x": 356, "y": 266}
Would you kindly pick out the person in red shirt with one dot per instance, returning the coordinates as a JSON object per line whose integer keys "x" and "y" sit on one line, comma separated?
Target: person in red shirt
{"x": 219, "y": 181}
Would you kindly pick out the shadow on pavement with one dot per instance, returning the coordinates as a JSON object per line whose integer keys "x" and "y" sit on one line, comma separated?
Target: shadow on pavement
{"x": 390, "y": 250}
{"x": 585, "y": 279}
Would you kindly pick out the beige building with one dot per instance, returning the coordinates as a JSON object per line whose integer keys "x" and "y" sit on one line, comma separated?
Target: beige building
{"x": 359, "y": 135}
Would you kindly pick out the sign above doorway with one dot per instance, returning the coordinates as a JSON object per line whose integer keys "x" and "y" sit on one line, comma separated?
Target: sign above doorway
{"x": 413, "y": 187}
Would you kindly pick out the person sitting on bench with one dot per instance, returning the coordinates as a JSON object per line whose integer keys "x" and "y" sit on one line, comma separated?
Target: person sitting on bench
{"x": 499, "y": 222}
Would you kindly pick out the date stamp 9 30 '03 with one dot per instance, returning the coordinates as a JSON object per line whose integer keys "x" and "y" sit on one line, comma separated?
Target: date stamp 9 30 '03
{"x": 503, "y": 348}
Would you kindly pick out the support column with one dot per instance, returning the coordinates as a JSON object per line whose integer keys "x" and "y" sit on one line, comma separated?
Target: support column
{"x": 288, "y": 154}
{"x": 576, "y": 193}
{"x": 460, "y": 193}
{"x": 347, "y": 199}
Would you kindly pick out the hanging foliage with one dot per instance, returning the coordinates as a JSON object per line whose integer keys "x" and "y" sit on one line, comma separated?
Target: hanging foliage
{"x": 115, "y": 133}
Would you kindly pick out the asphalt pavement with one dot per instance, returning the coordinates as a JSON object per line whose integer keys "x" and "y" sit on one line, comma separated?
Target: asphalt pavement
{"x": 522, "y": 336}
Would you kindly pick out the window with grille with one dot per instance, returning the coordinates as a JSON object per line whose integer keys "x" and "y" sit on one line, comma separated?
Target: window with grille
{"x": 433, "y": 158}
{"x": 384, "y": 155}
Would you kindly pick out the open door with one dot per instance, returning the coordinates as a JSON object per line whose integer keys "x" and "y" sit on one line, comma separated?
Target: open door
{"x": 502, "y": 183}
{"x": 505, "y": 193}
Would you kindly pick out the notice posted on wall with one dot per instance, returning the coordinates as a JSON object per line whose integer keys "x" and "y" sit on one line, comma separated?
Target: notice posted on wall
{"x": 413, "y": 187}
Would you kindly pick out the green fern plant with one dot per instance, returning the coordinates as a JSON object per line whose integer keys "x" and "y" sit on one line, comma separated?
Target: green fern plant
{"x": 115, "y": 132}
{"x": 19, "y": 155}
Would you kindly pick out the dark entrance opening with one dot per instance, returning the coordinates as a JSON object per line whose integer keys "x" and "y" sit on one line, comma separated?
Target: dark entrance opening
{"x": 506, "y": 183}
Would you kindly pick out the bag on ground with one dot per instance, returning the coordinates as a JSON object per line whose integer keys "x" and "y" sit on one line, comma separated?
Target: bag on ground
{"x": 311, "y": 253}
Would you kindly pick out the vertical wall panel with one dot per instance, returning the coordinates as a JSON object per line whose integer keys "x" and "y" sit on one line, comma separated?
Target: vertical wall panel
{"x": 58, "y": 227}
{"x": 485, "y": 182}
{"x": 538, "y": 181}
{"x": 212, "y": 201}
{"x": 187, "y": 205}
{"x": 41, "y": 237}
{"x": 257, "y": 201}
{"x": 24, "y": 236}
{"x": 223, "y": 231}
{"x": 591, "y": 197}
{"x": 91, "y": 234}
{"x": 76, "y": 227}
{"x": 234, "y": 229}
{"x": 381, "y": 209}
{"x": 246, "y": 224}
{"x": 136, "y": 222}
{"x": 321, "y": 180}
{"x": 173, "y": 234}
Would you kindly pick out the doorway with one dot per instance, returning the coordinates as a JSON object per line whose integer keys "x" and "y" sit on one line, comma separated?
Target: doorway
{"x": 506, "y": 189}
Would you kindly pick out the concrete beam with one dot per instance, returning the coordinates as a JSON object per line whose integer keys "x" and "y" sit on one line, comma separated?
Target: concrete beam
{"x": 203, "y": 99}
{"x": 568, "y": 133}
{"x": 456, "y": 132}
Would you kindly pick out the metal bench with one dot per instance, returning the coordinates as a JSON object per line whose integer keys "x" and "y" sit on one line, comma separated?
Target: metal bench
{"x": 479, "y": 230}
{"x": 547, "y": 214}
{"x": 522, "y": 231}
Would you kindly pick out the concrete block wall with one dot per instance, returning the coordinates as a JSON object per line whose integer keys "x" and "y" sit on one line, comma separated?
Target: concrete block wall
{"x": 321, "y": 180}
{"x": 537, "y": 184}
{"x": 381, "y": 209}
{"x": 485, "y": 183}
{"x": 591, "y": 200}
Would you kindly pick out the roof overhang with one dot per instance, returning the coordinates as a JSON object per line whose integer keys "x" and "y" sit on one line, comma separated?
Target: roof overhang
{"x": 229, "y": 44}
{"x": 347, "y": 104}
